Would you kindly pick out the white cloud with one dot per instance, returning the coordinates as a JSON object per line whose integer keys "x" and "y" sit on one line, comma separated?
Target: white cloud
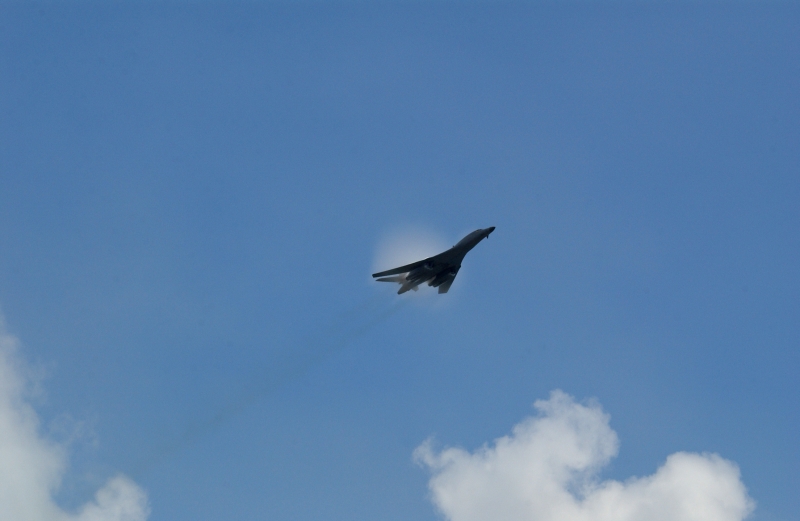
{"x": 546, "y": 470}
{"x": 31, "y": 467}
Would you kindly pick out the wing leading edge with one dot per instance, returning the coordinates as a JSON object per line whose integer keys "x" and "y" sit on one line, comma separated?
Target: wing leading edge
{"x": 438, "y": 271}
{"x": 403, "y": 269}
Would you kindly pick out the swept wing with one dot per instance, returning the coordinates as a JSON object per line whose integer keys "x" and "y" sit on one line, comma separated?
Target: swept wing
{"x": 431, "y": 261}
{"x": 438, "y": 271}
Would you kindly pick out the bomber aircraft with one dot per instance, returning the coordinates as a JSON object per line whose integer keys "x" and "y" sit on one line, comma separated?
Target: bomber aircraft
{"x": 438, "y": 271}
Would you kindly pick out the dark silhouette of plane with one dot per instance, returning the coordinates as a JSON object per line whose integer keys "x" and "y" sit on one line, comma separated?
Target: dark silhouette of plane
{"x": 438, "y": 271}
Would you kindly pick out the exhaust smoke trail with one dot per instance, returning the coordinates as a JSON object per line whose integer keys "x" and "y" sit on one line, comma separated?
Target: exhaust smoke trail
{"x": 348, "y": 328}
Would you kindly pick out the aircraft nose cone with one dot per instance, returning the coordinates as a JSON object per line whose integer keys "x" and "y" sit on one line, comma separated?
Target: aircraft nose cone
{"x": 489, "y": 230}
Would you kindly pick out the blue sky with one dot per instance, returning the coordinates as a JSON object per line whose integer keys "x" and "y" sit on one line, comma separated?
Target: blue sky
{"x": 193, "y": 197}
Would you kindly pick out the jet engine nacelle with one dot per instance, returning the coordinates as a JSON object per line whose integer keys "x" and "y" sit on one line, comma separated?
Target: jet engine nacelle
{"x": 442, "y": 277}
{"x": 421, "y": 272}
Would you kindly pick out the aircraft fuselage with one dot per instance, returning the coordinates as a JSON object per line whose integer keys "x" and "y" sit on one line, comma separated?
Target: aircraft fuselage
{"x": 439, "y": 270}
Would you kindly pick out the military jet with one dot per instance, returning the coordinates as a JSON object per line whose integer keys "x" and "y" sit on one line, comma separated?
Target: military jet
{"x": 438, "y": 271}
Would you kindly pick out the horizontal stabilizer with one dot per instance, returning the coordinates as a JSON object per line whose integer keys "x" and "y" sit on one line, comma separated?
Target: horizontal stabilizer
{"x": 397, "y": 278}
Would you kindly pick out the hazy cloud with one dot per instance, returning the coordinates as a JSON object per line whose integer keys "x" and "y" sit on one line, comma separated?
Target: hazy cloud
{"x": 31, "y": 467}
{"x": 407, "y": 245}
{"x": 546, "y": 470}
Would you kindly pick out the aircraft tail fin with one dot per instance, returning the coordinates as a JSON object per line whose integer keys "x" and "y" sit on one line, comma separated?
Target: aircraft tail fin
{"x": 445, "y": 286}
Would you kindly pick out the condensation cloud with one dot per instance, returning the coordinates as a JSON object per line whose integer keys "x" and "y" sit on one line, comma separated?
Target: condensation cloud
{"x": 31, "y": 467}
{"x": 547, "y": 468}
{"x": 407, "y": 245}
